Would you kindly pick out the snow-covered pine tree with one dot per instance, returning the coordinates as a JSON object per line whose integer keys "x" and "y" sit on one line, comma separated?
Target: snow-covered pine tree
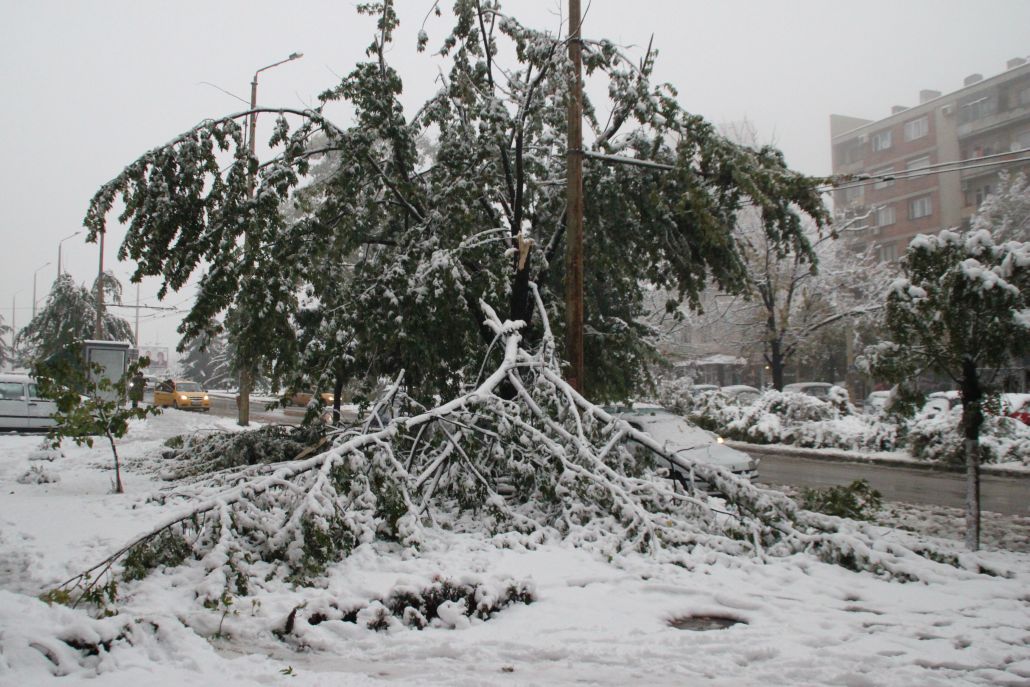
{"x": 7, "y": 352}
{"x": 481, "y": 218}
{"x": 205, "y": 360}
{"x": 69, "y": 317}
{"x": 962, "y": 309}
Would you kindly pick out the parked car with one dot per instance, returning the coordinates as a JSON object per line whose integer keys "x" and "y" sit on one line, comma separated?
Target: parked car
{"x": 817, "y": 389}
{"x": 182, "y": 394}
{"x": 681, "y": 438}
{"x": 1016, "y": 406}
{"x": 21, "y": 406}
{"x": 698, "y": 389}
{"x": 303, "y": 398}
{"x": 940, "y": 402}
{"x": 875, "y": 402}
{"x": 741, "y": 393}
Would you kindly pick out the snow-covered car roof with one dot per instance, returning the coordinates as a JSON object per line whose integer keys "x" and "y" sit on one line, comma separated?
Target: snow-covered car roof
{"x": 13, "y": 377}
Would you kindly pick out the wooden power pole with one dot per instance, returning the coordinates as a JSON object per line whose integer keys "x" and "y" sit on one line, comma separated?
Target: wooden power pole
{"x": 574, "y": 213}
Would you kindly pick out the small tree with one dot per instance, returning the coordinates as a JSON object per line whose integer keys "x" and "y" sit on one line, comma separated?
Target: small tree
{"x": 960, "y": 309}
{"x": 84, "y": 409}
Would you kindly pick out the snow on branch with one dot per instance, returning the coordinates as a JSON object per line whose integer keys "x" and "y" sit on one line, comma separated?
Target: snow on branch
{"x": 522, "y": 453}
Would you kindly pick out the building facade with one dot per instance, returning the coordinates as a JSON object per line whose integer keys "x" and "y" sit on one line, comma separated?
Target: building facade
{"x": 928, "y": 167}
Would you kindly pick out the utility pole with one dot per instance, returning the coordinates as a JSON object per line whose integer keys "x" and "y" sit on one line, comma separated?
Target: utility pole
{"x": 574, "y": 212}
{"x": 136, "y": 335}
{"x": 98, "y": 330}
{"x": 246, "y": 373}
{"x": 47, "y": 264}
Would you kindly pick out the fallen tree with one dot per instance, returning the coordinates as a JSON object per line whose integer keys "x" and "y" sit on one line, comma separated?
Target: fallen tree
{"x": 522, "y": 453}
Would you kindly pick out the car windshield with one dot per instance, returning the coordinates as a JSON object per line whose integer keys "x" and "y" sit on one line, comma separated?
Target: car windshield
{"x": 188, "y": 386}
{"x": 667, "y": 427}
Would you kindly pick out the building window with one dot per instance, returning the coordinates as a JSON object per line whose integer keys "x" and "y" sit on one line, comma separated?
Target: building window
{"x": 888, "y": 252}
{"x": 982, "y": 193}
{"x": 917, "y": 128}
{"x": 885, "y": 216}
{"x": 884, "y": 177}
{"x": 918, "y": 163}
{"x": 882, "y": 140}
{"x": 920, "y": 207}
{"x": 1023, "y": 99}
{"x": 1022, "y": 141}
{"x": 978, "y": 109}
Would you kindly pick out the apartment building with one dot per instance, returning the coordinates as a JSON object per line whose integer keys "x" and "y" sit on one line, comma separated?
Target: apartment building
{"x": 903, "y": 183}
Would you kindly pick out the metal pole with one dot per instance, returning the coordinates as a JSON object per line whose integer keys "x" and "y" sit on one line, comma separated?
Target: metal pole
{"x": 98, "y": 330}
{"x": 59, "y": 246}
{"x": 137, "y": 317}
{"x": 46, "y": 264}
{"x": 574, "y": 213}
{"x": 246, "y": 373}
{"x": 246, "y": 378}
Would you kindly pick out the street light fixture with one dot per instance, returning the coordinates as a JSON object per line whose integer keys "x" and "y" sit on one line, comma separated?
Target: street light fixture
{"x": 59, "y": 249}
{"x": 253, "y": 95}
{"x": 246, "y": 378}
{"x": 46, "y": 264}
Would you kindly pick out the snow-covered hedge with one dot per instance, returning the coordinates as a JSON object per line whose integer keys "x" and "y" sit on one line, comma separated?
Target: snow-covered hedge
{"x": 784, "y": 418}
{"x": 802, "y": 420}
{"x": 939, "y": 439}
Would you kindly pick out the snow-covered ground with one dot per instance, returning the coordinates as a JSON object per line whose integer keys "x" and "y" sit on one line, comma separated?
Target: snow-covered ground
{"x": 592, "y": 620}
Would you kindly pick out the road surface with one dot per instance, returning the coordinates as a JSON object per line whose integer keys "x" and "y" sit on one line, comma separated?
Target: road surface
{"x": 1007, "y": 495}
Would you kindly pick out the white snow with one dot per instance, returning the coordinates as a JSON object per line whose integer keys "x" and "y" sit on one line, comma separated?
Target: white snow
{"x": 593, "y": 620}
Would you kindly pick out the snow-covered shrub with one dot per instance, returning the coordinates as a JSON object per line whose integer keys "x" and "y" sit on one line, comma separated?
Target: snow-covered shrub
{"x": 938, "y": 438}
{"x": 46, "y": 451}
{"x": 680, "y": 395}
{"x": 775, "y": 417}
{"x": 38, "y": 474}
{"x": 849, "y": 433}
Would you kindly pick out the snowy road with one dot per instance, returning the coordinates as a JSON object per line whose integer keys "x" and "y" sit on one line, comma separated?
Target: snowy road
{"x": 1007, "y": 495}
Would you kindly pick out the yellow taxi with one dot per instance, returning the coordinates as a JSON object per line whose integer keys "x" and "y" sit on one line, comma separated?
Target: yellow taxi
{"x": 182, "y": 394}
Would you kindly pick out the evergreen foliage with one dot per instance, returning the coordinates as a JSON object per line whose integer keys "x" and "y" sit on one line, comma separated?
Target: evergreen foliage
{"x": 858, "y": 500}
{"x": 206, "y": 359}
{"x": 426, "y": 238}
{"x": 7, "y": 353}
{"x": 69, "y": 318}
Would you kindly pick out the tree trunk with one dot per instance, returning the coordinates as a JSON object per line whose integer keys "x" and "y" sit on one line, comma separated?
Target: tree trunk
{"x": 776, "y": 364}
{"x": 972, "y": 419}
{"x": 337, "y": 392}
{"x": 243, "y": 404}
{"x": 118, "y": 488}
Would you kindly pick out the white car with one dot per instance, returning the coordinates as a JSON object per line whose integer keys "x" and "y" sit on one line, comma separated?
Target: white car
{"x": 21, "y": 407}
{"x": 681, "y": 438}
{"x": 741, "y": 393}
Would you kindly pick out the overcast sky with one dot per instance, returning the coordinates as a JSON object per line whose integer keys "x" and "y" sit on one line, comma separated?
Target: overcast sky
{"x": 90, "y": 85}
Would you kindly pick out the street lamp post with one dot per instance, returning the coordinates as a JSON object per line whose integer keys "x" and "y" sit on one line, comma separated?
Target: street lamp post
{"x": 59, "y": 249}
{"x": 34, "y": 287}
{"x": 14, "y": 321}
{"x": 246, "y": 375}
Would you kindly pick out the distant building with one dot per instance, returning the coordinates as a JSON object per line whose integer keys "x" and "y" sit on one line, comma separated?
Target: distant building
{"x": 985, "y": 122}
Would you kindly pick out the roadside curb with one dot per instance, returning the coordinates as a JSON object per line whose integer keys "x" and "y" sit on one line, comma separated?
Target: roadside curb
{"x": 837, "y": 456}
